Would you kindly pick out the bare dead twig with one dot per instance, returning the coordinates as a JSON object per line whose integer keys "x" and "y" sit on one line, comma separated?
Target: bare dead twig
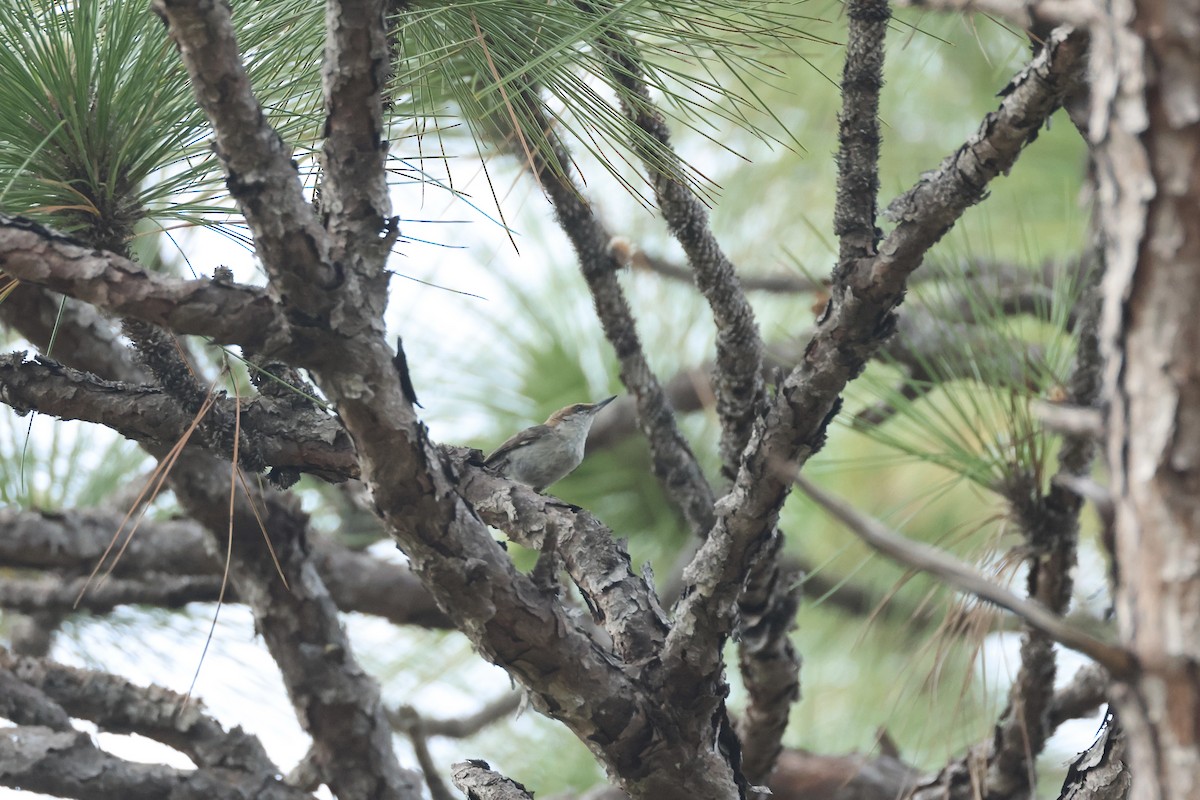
{"x": 406, "y": 720}
{"x": 1117, "y": 660}
{"x": 772, "y": 284}
{"x": 462, "y": 727}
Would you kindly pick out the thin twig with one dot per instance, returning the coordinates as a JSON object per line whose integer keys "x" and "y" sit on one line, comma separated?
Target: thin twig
{"x": 406, "y": 720}
{"x": 771, "y": 284}
{"x": 462, "y": 727}
{"x": 916, "y": 555}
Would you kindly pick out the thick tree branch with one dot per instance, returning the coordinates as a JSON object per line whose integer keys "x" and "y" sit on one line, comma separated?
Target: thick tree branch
{"x": 768, "y": 662}
{"x": 927, "y": 211}
{"x": 227, "y": 313}
{"x": 476, "y": 779}
{"x": 72, "y": 542}
{"x": 68, "y": 764}
{"x": 501, "y": 610}
{"x": 307, "y": 441}
{"x": 83, "y": 337}
{"x": 27, "y": 705}
{"x": 767, "y": 659}
{"x": 623, "y": 603}
{"x": 1102, "y": 771}
{"x": 118, "y": 706}
{"x": 854, "y": 208}
{"x": 336, "y": 702}
{"x": 354, "y": 193}
{"x": 513, "y": 623}
{"x": 260, "y": 173}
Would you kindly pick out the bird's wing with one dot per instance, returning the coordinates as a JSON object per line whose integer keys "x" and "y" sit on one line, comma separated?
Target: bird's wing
{"x": 516, "y": 442}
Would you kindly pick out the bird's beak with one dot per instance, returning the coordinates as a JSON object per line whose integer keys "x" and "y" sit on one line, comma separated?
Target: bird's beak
{"x": 605, "y": 402}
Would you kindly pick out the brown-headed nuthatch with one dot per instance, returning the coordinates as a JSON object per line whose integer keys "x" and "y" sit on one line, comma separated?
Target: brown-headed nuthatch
{"x": 541, "y": 455}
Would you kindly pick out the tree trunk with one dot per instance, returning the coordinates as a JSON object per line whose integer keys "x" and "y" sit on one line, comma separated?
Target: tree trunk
{"x": 1146, "y": 104}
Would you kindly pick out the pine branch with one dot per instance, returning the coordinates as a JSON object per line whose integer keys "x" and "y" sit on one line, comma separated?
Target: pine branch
{"x": 354, "y": 192}
{"x": 858, "y": 133}
{"x": 72, "y": 542}
{"x": 919, "y": 556}
{"x": 1051, "y": 528}
{"x": 225, "y": 312}
{"x": 260, "y": 173}
{"x": 306, "y": 441}
{"x": 738, "y": 381}
{"x": 857, "y": 320}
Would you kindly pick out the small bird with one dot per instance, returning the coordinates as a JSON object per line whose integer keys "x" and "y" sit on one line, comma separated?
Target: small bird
{"x": 541, "y": 455}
